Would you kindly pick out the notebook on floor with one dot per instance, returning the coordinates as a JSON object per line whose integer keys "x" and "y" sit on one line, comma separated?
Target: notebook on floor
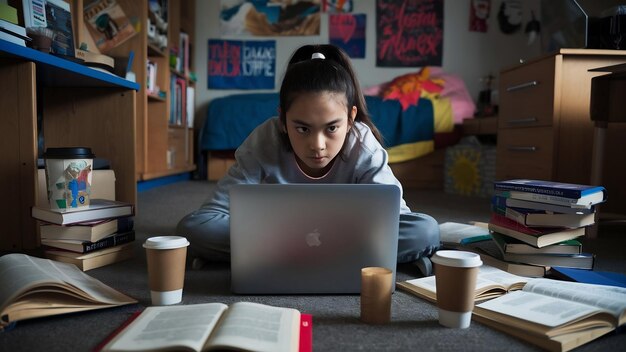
{"x": 310, "y": 238}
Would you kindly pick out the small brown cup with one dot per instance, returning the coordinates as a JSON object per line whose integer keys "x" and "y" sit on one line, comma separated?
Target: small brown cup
{"x": 455, "y": 277}
{"x": 166, "y": 268}
{"x": 376, "y": 288}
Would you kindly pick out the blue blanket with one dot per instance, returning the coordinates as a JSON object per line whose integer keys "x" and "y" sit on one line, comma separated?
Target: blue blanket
{"x": 230, "y": 120}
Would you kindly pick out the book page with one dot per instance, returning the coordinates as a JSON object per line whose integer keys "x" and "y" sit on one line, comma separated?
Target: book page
{"x": 610, "y": 298}
{"x": 20, "y": 272}
{"x": 488, "y": 277}
{"x": 534, "y": 307}
{"x": 168, "y": 328}
{"x": 258, "y": 327}
{"x": 453, "y": 232}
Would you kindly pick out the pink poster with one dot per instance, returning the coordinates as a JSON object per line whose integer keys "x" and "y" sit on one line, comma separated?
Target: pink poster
{"x": 409, "y": 33}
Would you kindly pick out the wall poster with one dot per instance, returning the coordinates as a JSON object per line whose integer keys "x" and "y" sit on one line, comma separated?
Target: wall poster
{"x": 236, "y": 64}
{"x": 270, "y": 17}
{"x": 347, "y": 31}
{"x": 409, "y": 33}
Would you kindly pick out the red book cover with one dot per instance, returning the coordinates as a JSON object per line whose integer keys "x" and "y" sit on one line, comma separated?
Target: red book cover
{"x": 503, "y": 221}
{"x": 306, "y": 333}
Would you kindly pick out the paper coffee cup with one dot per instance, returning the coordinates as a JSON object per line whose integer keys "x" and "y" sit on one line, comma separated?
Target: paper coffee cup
{"x": 68, "y": 177}
{"x": 376, "y": 288}
{"x": 166, "y": 268}
{"x": 455, "y": 278}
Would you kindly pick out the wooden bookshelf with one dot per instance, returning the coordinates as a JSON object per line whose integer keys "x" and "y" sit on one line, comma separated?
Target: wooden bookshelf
{"x": 162, "y": 148}
{"x": 79, "y": 106}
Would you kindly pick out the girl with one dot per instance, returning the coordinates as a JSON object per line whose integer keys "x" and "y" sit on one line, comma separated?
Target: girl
{"x": 323, "y": 134}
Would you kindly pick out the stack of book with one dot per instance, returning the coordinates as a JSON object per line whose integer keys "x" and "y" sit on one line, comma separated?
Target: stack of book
{"x": 539, "y": 222}
{"x": 13, "y": 33}
{"x": 89, "y": 237}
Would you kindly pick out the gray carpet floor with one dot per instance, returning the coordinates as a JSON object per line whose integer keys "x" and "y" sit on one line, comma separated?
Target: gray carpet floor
{"x": 336, "y": 324}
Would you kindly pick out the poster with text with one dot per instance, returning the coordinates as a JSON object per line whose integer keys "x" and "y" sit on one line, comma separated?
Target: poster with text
{"x": 409, "y": 33}
{"x": 270, "y": 17}
{"x": 347, "y": 31}
{"x": 235, "y": 64}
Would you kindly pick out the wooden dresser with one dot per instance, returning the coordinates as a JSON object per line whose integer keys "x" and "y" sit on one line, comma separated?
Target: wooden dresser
{"x": 544, "y": 128}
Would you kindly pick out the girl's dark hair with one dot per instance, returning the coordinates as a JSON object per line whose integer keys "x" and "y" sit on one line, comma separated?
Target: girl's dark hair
{"x": 334, "y": 74}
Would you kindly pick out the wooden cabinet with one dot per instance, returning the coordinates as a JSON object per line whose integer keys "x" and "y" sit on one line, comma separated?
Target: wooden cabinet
{"x": 164, "y": 147}
{"x": 544, "y": 128}
{"x": 78, "y": 106}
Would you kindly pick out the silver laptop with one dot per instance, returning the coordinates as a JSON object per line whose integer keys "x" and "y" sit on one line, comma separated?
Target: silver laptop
{"x": 310, "y": 238}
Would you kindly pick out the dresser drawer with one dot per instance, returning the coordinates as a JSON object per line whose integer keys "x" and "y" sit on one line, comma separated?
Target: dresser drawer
{"x": 525, "y": 153}
{"x": 527, "y": 95}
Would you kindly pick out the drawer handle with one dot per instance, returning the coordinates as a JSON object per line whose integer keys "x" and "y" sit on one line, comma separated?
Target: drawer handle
{"x": 522, "y": 86}
{"x": 522, "y": 121}
{"x": 522, "y": 149}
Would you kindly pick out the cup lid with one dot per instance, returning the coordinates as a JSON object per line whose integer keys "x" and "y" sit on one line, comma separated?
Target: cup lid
{"x": 69, "y": 153}
{"x": 166, "y": 242}
{"x": 459, "y": 259}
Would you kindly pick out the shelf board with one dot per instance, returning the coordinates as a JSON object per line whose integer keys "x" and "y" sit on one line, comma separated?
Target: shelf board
{"x": 153, "y": 50}
{"x": 170, "y": 172}
{"x": 155, "y": 97}
{"x": 59, "y": 72}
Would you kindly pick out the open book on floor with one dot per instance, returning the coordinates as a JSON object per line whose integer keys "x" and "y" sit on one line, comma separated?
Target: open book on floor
{"x": 491, "y": 282}
{"x": 244, "y": 326}
{"x": 556, "y": 315}
{"x": 34, "y": 287}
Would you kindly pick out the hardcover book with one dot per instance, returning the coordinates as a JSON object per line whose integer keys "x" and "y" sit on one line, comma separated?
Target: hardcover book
{"x": 92, "y": 260}
{"x": 558, "y": 189}
{"x": 538, "y": 237}
{"x": 79, "y": 246}
{"x": 60, "y": 288}
{"x": 511, "y": 245}
{"x": 491, "y": 256}
{"x": 243, "y": 326}
{"x": 91, "y": 231}
{"x": 579, "y": 261}
{"x": 98, "y": 209}
{"x": 491, "y": 282}
{"x": 540, "y": 218}
{"x": 504, "y": 202}
{"x": 556, "y": 315}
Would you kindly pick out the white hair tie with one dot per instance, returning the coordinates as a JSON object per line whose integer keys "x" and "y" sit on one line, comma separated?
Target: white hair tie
{"x": 318, "y": 56}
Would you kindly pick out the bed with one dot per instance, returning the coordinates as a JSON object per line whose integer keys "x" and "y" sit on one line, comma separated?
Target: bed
{"x": 415, "y": 113}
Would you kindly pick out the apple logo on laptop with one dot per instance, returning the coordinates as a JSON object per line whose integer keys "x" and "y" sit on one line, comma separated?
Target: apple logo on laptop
{"x": 313, "y": 238}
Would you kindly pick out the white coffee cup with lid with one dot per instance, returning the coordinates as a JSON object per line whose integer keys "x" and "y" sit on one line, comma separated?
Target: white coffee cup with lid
{"x": 166, "y": 256}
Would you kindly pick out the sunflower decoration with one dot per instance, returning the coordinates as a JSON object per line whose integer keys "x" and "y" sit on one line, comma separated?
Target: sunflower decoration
{"x": 463, "y": 170}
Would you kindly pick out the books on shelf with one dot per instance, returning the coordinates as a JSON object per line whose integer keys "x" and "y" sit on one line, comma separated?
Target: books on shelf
{"x": 79, "y": 246}
{"x": 60, "y": 288}
{"x": 244, "y": 326}
{"x": 454, "y": 233}
{"x": 511, "y": 245}
{"x": 92, "y": 260}
{"x": 538, "y": 237}
{"x": 13, "y": 33}
{"x": 580, "y": 313}
{"x": 491, "y": 282}
{"x": 98, "y": 209}
{"x": 540, "y": 218}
